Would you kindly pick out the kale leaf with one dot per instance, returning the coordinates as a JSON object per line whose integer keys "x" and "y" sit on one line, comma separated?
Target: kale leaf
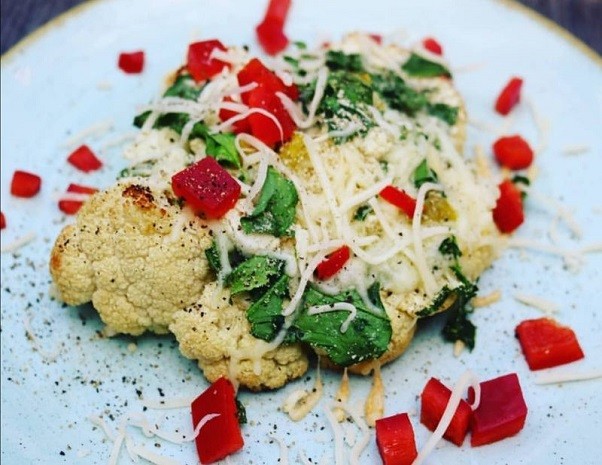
{"x": 275, "y": 210}
{"x": 255, "y": 274}
{"x": 444, "y": 112}
{"x": 265, "y": 314}
{"x": 367, "y": 336}
{"x": 220, "y": 146}
{"x": 337, "y": 61}
{"x": 423, "y": 173}
{"x": 362, "y": 213}
{"x": 397, "y": 94}
{"x": 449, "y": 246}
{"x": 419, "y": 66}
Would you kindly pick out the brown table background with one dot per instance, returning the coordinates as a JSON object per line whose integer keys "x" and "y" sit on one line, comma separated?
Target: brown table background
{"x": 583, "y": 18}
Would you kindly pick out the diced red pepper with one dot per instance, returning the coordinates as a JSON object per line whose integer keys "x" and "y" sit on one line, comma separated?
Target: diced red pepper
{"x": 255, "y": 71}
{"x": 2, "y": 221}
{"x": 433, "y": 401}
{"x": 546, "y": 343}
{"x": 508, "y": 212}
{"x": 270, "y": 32}
{"x": 264, "y": 128}
{"x": 71, "y": 207}
{"x": 432, "y": 45}
{"x": 221, "y": 435}
{"x": 509, "y": 96}
{"x": 84, "y": 159}
{"x": 513, "y": 152}
{"x": 501, "y": 412}
{"x": 25, "y": 184}
{"x": 239, "y": 126}
{"x": 376, "y": 38}
{"x": 395, "y": 440}
{"x": 207, "y": 187}
{"x": 400, "y": 199}
{"x": 200, "y": 64}
{"x": 132, "y": 62}
{"x": 333, "y": 263}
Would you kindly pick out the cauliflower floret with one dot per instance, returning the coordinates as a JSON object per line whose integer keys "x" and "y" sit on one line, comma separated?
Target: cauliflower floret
{"x": 215, "y": 331}
{"x": 134, "y": 255}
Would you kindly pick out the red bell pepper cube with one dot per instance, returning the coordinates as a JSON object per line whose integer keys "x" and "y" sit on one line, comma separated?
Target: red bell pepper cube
{"x": 333, "y": 263}
{"x": 264, "y": 128}
{"x": 546, "y": 343}
{"x": 131, "y": 62}
{"x": 432, "y": 45}
{"x": 376, "y": 38}
{"x": 256, "y": 71}
{"x": 513, "y": 152}
{"x": 509, "y": 96}
{"x": 207, "y": 188}
{"x": 240, "y": 125}
{"x": 508, "y": 212}
{"x": 71, "y": 207}
{"x": 400, "y": 199}
{"x": 395, "y": 440}
{"x": 200, "y": 64}
{"x": 221, "y": 435}
{"x": 25, "y": 184}
{"x": 84, "y": 159}
{"x": 433, "y": 401}
{"x": 2, "y": 221}
{"x": 270, "y": 32}
{"x": 501, "y": 412}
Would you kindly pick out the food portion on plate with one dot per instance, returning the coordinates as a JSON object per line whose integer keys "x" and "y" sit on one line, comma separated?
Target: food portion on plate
{"x": 313, "y": 201}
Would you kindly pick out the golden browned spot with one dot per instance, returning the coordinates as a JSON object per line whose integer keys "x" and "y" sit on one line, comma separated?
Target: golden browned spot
{"x": 142, "y": 196}
{"x": 294, "y": 153}
{"x": 437, "y": 209}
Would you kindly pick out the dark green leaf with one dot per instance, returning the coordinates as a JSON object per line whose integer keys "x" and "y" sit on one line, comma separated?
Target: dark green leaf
{"x": 257, "y": 272}
{"x": 276, "y": 207}
{"x": 184, "y": 87}
{"x": 212, "y": 254}
{"x": 449, "y": 246}
{"x": 221, "y": 147}
{"x": 241, "y": 412}
{"x": 397, "y": 94}
{"x": 423, "y": 173}
{"x": 340, "y": 61}
{"x": 444, "y": 112}
{"x": 367, "y": 337}
{"x": 461, "y": 294}
{"x": 362, "y": 212}
{"x": 419, "y": 66}
{"x": 265, "y": 315}
{"x": 460, "y": 328}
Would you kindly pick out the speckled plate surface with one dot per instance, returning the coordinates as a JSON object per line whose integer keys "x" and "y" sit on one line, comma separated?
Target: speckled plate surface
{"x": 65, "y": 80}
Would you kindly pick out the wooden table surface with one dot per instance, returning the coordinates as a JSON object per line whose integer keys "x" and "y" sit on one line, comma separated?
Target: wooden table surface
{"x": 581, "y": 17}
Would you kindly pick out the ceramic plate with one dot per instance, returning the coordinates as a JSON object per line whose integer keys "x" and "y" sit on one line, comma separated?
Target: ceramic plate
{"x": 57, "y": 369}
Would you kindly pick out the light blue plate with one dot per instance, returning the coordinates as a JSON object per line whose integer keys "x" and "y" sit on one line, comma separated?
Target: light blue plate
{"x": 55, "y": 85}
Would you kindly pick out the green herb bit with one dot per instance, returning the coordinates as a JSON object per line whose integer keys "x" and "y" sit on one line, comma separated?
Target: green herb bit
{"x": 241, "y": 412}
{"x": 340, "y": 61}
{"x": 255, "y": 273}
{"x": 362, "y": 213}
{"x": 367, "y": 336}
{"x": 265, "y": 315}
{"x": 423, "y": 173}
{"x": 218, "y": 145}
{"x": 184, "y": 87}
{"x": 449, "y": 246}
{"x": 419, "y": 66}
{"x": 300, "y": 45}
{"x": 276, "y": 207}
{"x": 444, "y": 112}
{"x": 397, "y": 94}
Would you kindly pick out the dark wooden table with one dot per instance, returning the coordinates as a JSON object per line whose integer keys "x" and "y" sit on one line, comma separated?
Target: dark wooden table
{"x": 581, "y": 17}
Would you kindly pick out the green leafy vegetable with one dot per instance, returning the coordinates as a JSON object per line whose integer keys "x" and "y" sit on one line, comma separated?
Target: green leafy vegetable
{"x": 423, "y": 173}
{"x": 220, "y": 146}
{"x": 397, "y": 94}
{"x": 241, "y": 412}
{"x": 459, "y": 327}
{"x": 255, "y": 273}
{"x": 275, "y": 210}
{"x": 184, "y": 87}
{"x": 265, "y": 314}
{"x": 362, "y": 212}
{"x": 337, "y": 61}
{"x": 449, "y": 246}
{"x": 444, "y": 112}
{"x": 419, "y": 66}
{"x": 367, "y": 336}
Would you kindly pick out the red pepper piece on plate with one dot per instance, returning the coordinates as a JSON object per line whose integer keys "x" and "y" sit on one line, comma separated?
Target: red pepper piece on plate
{"x": 509, "y": 96}
{"x": 255, "y": 71}
{"x": 501, "y": 412}
{"x": 207, "y": 187}
{"x": 270, "y": 32}
{"x": 220, "y": 436}
{"x": 2, "y": 220}
{"x": 400, "y": 199}
{"x": 395, "y": 440}
{"x": 513, "y": 152}
{"x": 333, "y": 263}
{"x": 71, "y": 207}
{"x": 25, "y": 184}
{"x": 508, "y": 212}
{"x": 432, "y": 45}
{"x": 200, "y": 64}
{"x": 131, "y": 62}
{"x": 265, "y": 128}
{"x": 433, "y": 401}
{"x": 546, "y": 343}
{"x": 84, "y": 159}
{"x": 376, "y": 38}
{"x": 240, "y": 125}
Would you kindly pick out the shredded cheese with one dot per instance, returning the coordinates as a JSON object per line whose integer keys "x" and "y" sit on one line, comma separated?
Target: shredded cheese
{"x": 18, "y": 243}
{"x": 486, "y": 300}
{"x": 544, "y": 305}
{"x": 94, "y": 131}
{"x": 300, "y": 402}
{"x": 554, "y": 377}
{"x": 374, "y": 407}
